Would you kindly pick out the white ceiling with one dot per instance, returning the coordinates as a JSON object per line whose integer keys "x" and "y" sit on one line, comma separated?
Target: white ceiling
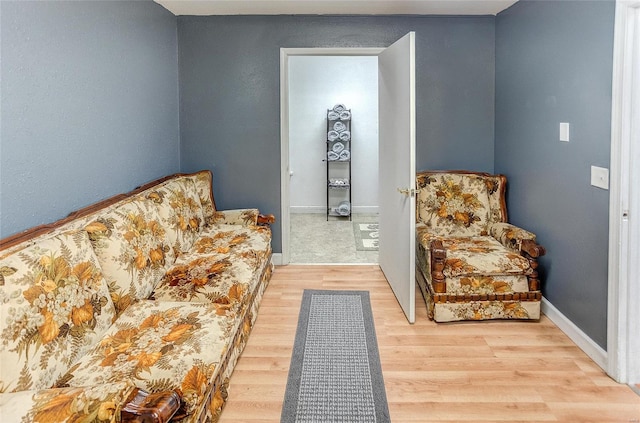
{"x": 333, "y": 7}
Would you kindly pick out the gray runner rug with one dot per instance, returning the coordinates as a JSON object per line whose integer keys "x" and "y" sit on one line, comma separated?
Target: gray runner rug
{"x": 335, "y": 374}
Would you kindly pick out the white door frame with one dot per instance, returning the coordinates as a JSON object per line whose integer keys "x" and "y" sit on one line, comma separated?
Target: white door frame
{"x": 623, "y": 348}
{"x": 285, "y": 53}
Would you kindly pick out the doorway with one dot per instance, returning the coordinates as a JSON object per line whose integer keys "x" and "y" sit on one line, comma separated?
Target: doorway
{"x": 317, "y": 84}
{"x": 303, "y": 148}
{"x": 396, "y": 164}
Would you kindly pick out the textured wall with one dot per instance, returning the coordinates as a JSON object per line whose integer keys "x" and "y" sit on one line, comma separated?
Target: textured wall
{"x": 230, "y": 93}
{"x": 317, "y": 83}
{"x": 89, "y": 104}
{"x": 554, "y": 64}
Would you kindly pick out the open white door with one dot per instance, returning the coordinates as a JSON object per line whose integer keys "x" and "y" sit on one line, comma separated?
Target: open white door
{"x": 397, "y": 169}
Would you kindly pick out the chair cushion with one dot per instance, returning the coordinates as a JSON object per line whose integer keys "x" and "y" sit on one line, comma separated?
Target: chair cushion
{"x": 453, "y": 204}
{"x": 55, "y": 306}
{"x": 481, "y": 255}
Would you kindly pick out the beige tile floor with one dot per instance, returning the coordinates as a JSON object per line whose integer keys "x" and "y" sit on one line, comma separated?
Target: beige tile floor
{"x": 314, "y": 240}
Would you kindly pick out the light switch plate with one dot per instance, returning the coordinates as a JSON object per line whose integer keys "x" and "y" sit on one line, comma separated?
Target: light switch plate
{"x": 600, "y": 177}
{"x": 564, "y": 131}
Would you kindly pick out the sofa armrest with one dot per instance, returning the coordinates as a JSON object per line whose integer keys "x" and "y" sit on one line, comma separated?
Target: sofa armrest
{"x": 266, "y": 219}
{"x": 90, "y": 403}
{"x": 160, "y": 407}
{"x": 513, "y": 238}
{"x": 245, "y": 217}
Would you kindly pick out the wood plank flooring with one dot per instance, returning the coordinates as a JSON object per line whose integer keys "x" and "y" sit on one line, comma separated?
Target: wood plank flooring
{"x": 462, "y": 372}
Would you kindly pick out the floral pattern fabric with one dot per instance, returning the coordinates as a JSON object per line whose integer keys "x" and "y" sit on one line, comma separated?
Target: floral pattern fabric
{"x": 159, "y": 291}
{"x": 133, "y": 249}
{"x": 203, "y": 185}
{"x": 481, "y": 256}
{"x": 486, "y": 310}
{"x": 496, "y": 189}
{"x": 100, "y": 404}
{"x": 509, "y": 235}
{"x": 159, "y": 346}
{"x": 180, "y": 212}
{"x": 224, "y": 265}
{"x": 473, "y": 310}
{"x": 453, "y": 204}
{"x": 55, "y": 305}
{"x": 465, "y": 212}
{"x": 236, "y": 217}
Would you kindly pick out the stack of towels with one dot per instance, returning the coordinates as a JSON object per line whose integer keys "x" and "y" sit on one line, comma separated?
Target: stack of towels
{"x": 339, "y": 112}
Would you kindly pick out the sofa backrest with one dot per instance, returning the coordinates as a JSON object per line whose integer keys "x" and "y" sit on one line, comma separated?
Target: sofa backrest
{"x": 63, "y": 284}
{"x": 180, "y": 211}
{"x": 460, "y": 203}
{"x": 54, "y": 304}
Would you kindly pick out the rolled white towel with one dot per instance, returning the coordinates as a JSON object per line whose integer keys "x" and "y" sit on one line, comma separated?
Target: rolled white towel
{"x": 345, "y": 155}
{"x": 333, "y": 115}
{"x": 344, "y": 208}
{"x": 338, "y": 147}
{"x": 332, "y": 155}
{"x": 339, "y": 108}
{"x": 345, "y": 135}
{"x": 345, "y": 115}
{"x": 339, "y": 126}
{"x": 333, "y": 135}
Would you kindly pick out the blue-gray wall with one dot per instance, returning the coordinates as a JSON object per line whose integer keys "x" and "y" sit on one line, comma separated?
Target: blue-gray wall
{"x": 554, "y": 64}
{"x": 230, "y": 93}
{"x": 89, "y": 104}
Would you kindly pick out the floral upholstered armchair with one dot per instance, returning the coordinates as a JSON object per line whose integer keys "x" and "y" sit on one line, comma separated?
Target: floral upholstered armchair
{"x": 470, "y": 263}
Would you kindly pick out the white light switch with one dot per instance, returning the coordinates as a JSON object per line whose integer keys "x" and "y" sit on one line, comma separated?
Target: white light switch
{"x": 600, "y": 177}
{"x": 564, "y": 131}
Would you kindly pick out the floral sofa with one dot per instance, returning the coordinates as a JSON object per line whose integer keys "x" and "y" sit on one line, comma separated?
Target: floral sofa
{"x": 470, "y": 263}
{"x": 152, "y": 291}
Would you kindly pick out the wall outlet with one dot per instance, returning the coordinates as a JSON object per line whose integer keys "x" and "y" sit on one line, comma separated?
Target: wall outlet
{"x": 600, "y": 177}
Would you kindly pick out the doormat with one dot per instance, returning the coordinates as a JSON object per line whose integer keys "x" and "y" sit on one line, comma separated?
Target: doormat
{"x": 335, "y": 373}
{"x": 366, "y": 235}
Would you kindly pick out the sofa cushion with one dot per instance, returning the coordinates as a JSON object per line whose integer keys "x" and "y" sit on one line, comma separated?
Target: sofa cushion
{"x": 224, "y": 266}
{"x": 453, "y": 204}
{"x": 133, "y": 249}
{"x": 101, "y": 403}
{"x": 180, "y": 212}
{"x": 55, "y": 306}
{"x": 203, "y": 181}
{"x": 160, "y": 346}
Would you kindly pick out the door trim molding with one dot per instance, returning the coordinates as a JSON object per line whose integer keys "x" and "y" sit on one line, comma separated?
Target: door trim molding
{"x": 285, "y": 53}
{"x": 623, "y": 307}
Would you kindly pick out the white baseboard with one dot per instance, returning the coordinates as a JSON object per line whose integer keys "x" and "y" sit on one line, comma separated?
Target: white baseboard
{"x": 586, "y": 344}
{"x": 323, "y": 210}
{"x": 307, "y": 209}
{"x": 276, "y": 259}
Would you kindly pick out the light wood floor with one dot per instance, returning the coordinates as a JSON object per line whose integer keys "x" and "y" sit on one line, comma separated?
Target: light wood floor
{"x": 461, "y": 372}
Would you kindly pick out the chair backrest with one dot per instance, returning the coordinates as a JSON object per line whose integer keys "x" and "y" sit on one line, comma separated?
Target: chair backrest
{"x": 460, "y": 203}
